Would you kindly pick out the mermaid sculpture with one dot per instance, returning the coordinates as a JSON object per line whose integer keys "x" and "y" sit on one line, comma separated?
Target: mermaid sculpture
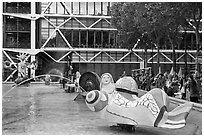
{"x": 126, "y": 108}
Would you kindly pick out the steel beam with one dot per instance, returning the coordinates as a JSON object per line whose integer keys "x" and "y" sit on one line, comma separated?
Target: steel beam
{"x": 72, "y": 15}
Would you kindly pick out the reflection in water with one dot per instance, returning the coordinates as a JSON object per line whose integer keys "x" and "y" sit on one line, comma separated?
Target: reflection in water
{"x": 32, "y": 112}
{"x": 32, "y": 109}
{"x": 20, "y": 110}
{"x": 6, "y": 93}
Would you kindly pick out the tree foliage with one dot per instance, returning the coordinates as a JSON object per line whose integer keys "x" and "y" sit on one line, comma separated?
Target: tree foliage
{"x": 160, "y": 21}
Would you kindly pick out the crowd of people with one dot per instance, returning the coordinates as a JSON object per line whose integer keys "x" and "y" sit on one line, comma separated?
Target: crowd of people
{"x": 188, "y": 88}
{"x": 175, "y": 85}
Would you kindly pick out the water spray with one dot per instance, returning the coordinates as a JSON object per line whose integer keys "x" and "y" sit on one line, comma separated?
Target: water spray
{"x": 37, "y": 77}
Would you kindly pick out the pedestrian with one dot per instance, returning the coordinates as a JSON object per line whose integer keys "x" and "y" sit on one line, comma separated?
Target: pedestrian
{"x": 76, "y": 81}
{"x": 137, "y": 79}
{"x": 60, "y": 82}
{"x": 174, "y": 88}
{"x": 160, "y": 82}
{"x": 147, "y": 82}
{"x": 199, "y": 84}
{"x": 63, "y": 82}
{"x": 185, "y": 89}
{"x": 193, "y": 88}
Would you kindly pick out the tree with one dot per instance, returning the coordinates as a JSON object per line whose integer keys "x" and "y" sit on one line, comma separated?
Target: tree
{"x": 192, "y": 12}
{"x": 151, "y": 19}
{"x": 123, "y": 21}
{"x": 161, "y": 21}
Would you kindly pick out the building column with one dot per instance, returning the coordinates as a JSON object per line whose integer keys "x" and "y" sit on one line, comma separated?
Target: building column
{"x": 33, "y": 37}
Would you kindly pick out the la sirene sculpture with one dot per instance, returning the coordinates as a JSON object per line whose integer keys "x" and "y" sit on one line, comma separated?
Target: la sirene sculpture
{"x": 122, "y": 106}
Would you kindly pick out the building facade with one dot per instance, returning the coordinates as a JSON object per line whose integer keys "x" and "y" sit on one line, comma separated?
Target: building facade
{"x": 56, "y": 33}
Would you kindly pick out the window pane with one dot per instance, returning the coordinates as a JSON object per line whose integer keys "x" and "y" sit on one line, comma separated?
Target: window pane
{"x": 59, "y": 41}
{"x": 45, "y": 33}
{"x": 24, "y": 40}
{"x": 105, "y": 8}
{"x": 83, "y": 38}
{"x": 112, "y": 38}
{"x": 11, "y": 7}
{"x": 98, "y": 8}
{"x": 24, "y": 7}
{"x": 91, "y": 8}
{"x": 75, "y": 38}
{"x": 68, "y": 35}
{"x": 60, "y": 8}
{"x": 11, "y": 40}
{"x": 24, "y": 25}
{"x": 44, "y": 23}
{"x": 44, "y": 5}
{"x": 68, "y": 6}
{"x": 11, "y": 23}
{"x": 18, "y": 7}
{"x": 98, "y": 38}
{"x": 91, "y": 39}
{"x": 105, "y": 39}
{"x": 52, "y": 8}
{"x": 60, "y": 21}
{"x": 75, "y": 7}
{"x": 83, "y": 8}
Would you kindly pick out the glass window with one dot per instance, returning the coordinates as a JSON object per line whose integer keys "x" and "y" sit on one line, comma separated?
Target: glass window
{"x": 97, "y": 8}
{"x": 105, "y": 8}
{"x": 60, "y": 41}
{"x": 60, "y": 8}
{"x": 68, "y": 35}
{"x": 83, "y": 38}
{"x": 24, "y": 7}
{"x": 105, "y": 39}
{"x": 11, "y": 23}
{"x": 112, "y": 38}
{"x": 43, "y": 6}
{"x": 11, "y": 40}
{"x": 18, "y": 7}
{"x": 24, "y": 25}
{"x": 52, "y": 8}
{"x": 91, "y": 39}
{"x": 54, "y": 21}
{"x": 56, "y": 41}
{"x": 68, "y": 6}
{"x": 18, "y": 40}
{"x": 60, "y": 21}
{"x": 98, "y": 39}
{"x": 24, "y": 40}
{"x": 83, "y": 8}
{"x": 74, "y": 23}
{"x": 76, "y": 38}
{"x": 91, "y": 8}
{"x": 75, "y": 7}
{"x": 11, "y": 7}
{"x": 45, "y": 34}
{"x": 44, "y": 23}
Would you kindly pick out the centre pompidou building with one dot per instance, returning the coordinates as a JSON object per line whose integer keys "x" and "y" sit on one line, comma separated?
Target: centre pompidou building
{"x": 56, "y": 33}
